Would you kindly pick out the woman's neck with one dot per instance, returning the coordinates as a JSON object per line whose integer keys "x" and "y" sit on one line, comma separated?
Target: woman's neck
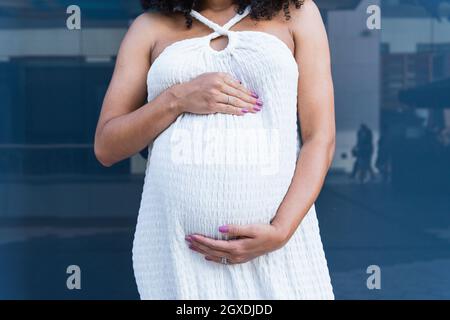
{"x": 216, "y": 5}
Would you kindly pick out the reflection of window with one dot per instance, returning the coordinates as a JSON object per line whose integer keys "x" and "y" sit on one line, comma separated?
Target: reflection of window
{"x": 435, "y": 47}
{"x": 438, "y": 66}
{"x": 441, "y": 58}
{"x": 401, "y": 71}
{"x": 50, "y": 14}
{"x": 7, "y": 83}
{"x": 54, "y": 105}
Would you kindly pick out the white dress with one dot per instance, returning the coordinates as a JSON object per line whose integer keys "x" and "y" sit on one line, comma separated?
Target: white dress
{"x": 205, "y": 171}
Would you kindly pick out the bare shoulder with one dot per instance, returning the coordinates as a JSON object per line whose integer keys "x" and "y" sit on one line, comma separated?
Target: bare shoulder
{"x": 150, "y": 24}
{"x": 146, "y": 31}
{"x": 307, "y": 10}
{"x": 312, "y": 50}
{"x": 305, "y": 20}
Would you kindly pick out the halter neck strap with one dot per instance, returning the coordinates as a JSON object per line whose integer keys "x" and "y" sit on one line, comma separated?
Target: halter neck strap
{"x": 220, "y": 30}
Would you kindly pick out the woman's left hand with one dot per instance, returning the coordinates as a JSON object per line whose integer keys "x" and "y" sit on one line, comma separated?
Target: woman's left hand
{"x": 248, "y": 242}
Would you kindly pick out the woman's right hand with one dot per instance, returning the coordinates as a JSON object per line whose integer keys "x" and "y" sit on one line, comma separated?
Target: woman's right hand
{"x": 216, "y": 92}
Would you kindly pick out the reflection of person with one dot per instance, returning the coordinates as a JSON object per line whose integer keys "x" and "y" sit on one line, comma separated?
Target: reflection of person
{"x": 383, "y": 162}
{"x": 363, "y": 151}
{"x": 251, "y": 235}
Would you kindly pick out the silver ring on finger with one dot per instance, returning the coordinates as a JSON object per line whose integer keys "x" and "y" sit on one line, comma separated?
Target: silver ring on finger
{"x": 224, "y": 260}
{"x": 228, "y": 99}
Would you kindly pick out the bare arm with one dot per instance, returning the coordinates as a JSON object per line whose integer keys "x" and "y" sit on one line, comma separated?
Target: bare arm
{"x": 125, "y": 126}
{"x": 316, "y": 114}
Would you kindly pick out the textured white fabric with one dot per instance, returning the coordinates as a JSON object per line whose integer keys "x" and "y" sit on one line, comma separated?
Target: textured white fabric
{"x": 205, "y": 171}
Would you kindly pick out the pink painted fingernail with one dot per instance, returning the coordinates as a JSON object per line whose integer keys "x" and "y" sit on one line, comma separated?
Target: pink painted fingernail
{"x": 244, "y": 110}
{"x": 223, "y": 229}
{"x": 254, "y": 94}
{"x": 257, "y": 109}
{"x": 259, "y": 102}
{"x": 188, "y": 238}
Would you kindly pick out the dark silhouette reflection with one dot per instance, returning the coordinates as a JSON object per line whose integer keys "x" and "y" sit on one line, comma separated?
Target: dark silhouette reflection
{"x": 363, "y": 151}
{"x": 384, "y": 155}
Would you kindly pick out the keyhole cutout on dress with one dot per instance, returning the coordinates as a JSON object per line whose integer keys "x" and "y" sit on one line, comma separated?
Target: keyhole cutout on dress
{"x": 219, "y": 43}
{"x": 220, "y": 39}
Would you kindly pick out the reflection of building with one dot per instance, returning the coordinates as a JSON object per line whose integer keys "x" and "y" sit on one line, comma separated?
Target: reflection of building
{"x": 406, "y": 70}
{"x": 422, "y": 151}
{"x": 415, "y": 52}
{"x": 415, "y": 49}
{"x": 400, "y": 70}
{"x": 434, "y": 95}
{"x": 415, "y": 92}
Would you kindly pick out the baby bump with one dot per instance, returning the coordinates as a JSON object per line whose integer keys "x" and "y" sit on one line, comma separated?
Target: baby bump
{"x": 208, "y": 178}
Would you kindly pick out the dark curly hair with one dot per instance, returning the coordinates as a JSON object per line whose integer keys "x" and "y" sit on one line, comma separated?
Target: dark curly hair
{"x": 260, "y": 9}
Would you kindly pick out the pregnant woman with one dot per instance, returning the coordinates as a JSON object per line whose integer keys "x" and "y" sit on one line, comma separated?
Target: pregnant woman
{"x": 227, "y": 208}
